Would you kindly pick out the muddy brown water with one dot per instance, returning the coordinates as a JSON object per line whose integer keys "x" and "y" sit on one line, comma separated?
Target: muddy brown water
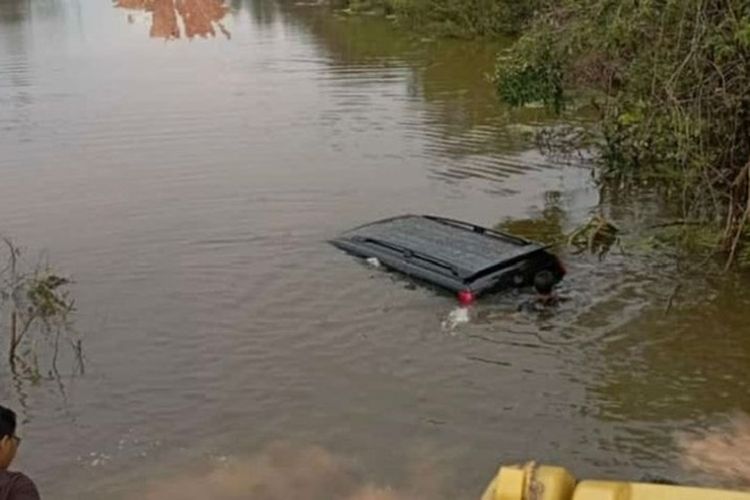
{"x": 189, "y": 186}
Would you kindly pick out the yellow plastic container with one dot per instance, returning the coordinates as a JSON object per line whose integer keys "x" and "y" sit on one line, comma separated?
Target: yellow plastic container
{"x": 532, "y": 482}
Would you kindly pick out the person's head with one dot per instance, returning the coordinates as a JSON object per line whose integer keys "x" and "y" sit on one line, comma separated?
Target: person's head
{"x": 543, "y": 283}
{"x": 8, "y": 440}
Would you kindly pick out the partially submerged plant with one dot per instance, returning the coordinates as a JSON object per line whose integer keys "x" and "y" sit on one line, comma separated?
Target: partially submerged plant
{"x": 39, "y": 309}
{"x": 597, "y": 237}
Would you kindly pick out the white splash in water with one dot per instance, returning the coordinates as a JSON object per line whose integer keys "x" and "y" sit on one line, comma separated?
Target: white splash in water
{"x": 373, "y": 262}
{"x": 457, "y": 316}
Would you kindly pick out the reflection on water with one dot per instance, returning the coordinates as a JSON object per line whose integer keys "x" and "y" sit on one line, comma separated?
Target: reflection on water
{"x": 722, "y": 451}
{"x": 263, "y": 13}
{"x": 17, "y": 10}
{"x": 472, "y": 137}
{"x": 195, "y": 17}
{"x": 547, "y": 227}
{"x": 15, "y": 95}
{"x": 283, "y": 471}
{"x": 14, "y": 10}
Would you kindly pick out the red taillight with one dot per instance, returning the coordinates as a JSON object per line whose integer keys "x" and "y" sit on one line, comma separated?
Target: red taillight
{"x": 466, "y": 297}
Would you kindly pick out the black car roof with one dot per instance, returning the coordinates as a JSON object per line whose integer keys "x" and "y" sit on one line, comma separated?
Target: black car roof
{"x": 458, "y": 248}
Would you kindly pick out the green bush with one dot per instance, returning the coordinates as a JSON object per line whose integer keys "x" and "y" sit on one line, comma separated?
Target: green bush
{"x": 531, "y": 73}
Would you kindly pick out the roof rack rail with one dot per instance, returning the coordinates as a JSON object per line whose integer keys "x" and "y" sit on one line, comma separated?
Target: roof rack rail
{"x": 478, "y": 229}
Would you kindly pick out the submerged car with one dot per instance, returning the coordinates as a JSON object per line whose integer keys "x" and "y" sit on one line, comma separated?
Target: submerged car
{"x": 458, "y": 256}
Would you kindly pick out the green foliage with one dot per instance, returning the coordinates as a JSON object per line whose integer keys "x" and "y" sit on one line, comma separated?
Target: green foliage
{"x": 47, "y": 300}
{"x": 530, "y": 75}
{"x": 673, "y": 85}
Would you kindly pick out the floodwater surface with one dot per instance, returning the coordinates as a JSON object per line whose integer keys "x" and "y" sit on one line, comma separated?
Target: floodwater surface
{"x": 189, "y": 183}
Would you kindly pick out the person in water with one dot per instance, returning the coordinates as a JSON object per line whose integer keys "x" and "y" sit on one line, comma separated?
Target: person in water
{"x": 544, "y": 283}
{"x": 13, "y": 485}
